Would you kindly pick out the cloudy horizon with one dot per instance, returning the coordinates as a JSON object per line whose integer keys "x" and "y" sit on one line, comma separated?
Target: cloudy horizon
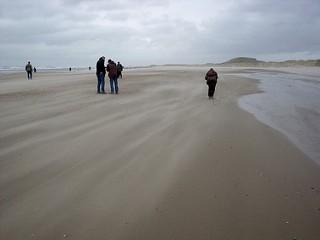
{"x": 142, "y": 32}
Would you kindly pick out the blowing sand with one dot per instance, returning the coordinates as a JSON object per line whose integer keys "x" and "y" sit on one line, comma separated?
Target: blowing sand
{"x": 157, "y": 161}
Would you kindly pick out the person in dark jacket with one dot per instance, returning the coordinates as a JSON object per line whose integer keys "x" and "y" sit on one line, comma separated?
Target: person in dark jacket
{"x": 29, "y": 70}
{"x": 119, "y": 70}
{"x": 112, "y": 73}
{"x": 211, "y": 77}
{"x": 101, "y": 72}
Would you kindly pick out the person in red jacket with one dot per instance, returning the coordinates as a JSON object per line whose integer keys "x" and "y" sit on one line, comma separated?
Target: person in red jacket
{"x": 211, "y": 77}
{"x": 112, "y": 73}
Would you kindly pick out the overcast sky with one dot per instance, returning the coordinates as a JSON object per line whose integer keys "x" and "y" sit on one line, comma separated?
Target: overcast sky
{"x": 139, "y": 32}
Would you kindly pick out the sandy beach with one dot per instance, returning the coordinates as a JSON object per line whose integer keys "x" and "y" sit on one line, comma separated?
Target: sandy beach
{"x": 158, "y": 161}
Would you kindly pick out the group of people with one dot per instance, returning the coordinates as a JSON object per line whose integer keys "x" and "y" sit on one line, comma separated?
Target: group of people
{"x": 114, "y": 73}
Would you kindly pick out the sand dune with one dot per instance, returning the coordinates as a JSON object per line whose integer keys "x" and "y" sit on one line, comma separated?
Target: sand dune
{"x": 157, "y": 161}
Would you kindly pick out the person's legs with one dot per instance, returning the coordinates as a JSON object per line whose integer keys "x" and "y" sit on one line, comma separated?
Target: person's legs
{"x": 99, "y": 83}
{"x": 102, "y": 83}
{"x": 210, "y": 94}
{"x": 116, "y": 84}
{"x": 209, "y": 91}
{"x": 111, "y": 85}
{"x": 29, "y": 75}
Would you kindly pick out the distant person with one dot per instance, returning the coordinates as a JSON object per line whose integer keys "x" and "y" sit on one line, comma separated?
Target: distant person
{"x": 89, "y": 68}
{"x": 119, "y": 70}
{"x": 211, "y": 77}
{"x": 29, "y": 70}
{"x": 101, "y": 72}
{"x": 34, "y": 69}
{"x": 69, "y": 69}
{"x": 112, "y": 73}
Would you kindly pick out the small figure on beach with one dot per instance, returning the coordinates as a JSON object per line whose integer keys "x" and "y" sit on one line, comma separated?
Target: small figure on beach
{"x": 34, "y": 70}
{"x": 70, "y": 69}
{"x": 119, "y": 70}
{"x": 29, "y": 70}
{"x": 112, "y": 73}
{"x": 211, "y": 77}
{"x": 100, "y": 72}
{"x": 89, "y": 68}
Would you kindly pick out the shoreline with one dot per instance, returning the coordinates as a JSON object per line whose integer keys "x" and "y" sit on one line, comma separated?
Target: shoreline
{"x": 288, "y": 103}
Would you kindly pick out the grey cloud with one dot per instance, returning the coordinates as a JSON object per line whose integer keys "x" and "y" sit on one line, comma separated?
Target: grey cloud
{"x": 144, "y": 31}
{"x": 263, "y": 27}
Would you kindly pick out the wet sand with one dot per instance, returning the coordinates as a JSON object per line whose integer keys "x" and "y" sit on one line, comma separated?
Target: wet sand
{"x": 157, "y": 161}
{"x": 289, "y": 103}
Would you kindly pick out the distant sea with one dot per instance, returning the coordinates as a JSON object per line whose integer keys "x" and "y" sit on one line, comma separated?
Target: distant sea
{"x": 289, "y": 103}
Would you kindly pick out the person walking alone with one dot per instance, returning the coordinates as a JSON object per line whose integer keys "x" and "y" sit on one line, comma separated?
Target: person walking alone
{"x": 211, "y": 77}
{"x": 112, "y": 73}
{"x": 29, "y": 70}
{"x": 100, "y": 72}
